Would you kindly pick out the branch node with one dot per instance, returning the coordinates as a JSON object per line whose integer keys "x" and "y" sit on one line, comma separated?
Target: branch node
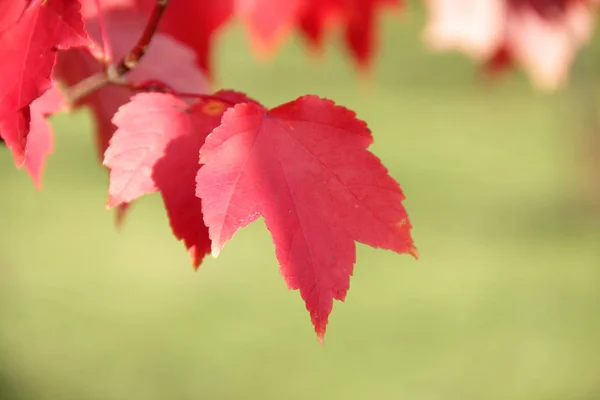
{"x": 115, "y": 73}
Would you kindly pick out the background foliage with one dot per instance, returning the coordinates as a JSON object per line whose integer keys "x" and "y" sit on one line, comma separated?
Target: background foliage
{"x": 502, "y": 305}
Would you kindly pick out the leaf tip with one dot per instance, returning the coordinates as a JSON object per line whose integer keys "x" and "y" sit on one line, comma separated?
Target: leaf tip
{"x": 196, "y": 257}
{"x": 110, "y": 203}
{"x": 320, "y": 330}
{"x": 37, "y": 181}
{"x": 215, "y": 250}
{"x": 414, "y": 252}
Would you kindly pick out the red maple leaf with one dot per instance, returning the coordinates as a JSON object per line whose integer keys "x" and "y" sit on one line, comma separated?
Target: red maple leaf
{"x": 31, "y": 44}
{"x": 28, "y": 134}
{"x": 304, "y": 166}
{"x": 155, "y": 148}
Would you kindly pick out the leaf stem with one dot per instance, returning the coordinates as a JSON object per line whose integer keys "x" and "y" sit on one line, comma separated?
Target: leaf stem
{"x": 205, "y": 97}
{"x": 158, "y": 86}
{"x": 151, "y": 85}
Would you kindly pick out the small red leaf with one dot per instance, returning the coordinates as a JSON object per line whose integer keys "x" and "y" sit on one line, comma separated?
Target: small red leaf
{"x": 28, "y": 135}
{"x": 155, "y": 148}
{"x": 303, "y": 166}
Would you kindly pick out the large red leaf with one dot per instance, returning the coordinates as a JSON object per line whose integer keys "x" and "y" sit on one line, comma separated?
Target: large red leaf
{"x": 155, "y": 148}
{"x": 304, "y": 166}
{"x": 31, "y": 45}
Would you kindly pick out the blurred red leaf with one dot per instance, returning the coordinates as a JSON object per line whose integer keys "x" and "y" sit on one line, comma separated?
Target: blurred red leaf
{"x": 541, "y": 36}
{"x": 361, "y": 28}
{"x": 269, "y": 21}
{"x": 358, "y": 18}
{"x": 317, "y": 17}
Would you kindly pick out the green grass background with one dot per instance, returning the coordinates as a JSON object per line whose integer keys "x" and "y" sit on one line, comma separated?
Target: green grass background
{"x": 504, "y": 303}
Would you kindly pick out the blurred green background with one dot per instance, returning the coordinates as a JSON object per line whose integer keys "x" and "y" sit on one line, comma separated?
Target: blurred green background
{"x": 504, "y": 303}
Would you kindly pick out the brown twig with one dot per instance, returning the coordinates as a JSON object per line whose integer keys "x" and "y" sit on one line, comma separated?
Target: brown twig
{"x": 134, "y": 56}
{"x": 84, "y": 87}
{"x": 114, "y": 73}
